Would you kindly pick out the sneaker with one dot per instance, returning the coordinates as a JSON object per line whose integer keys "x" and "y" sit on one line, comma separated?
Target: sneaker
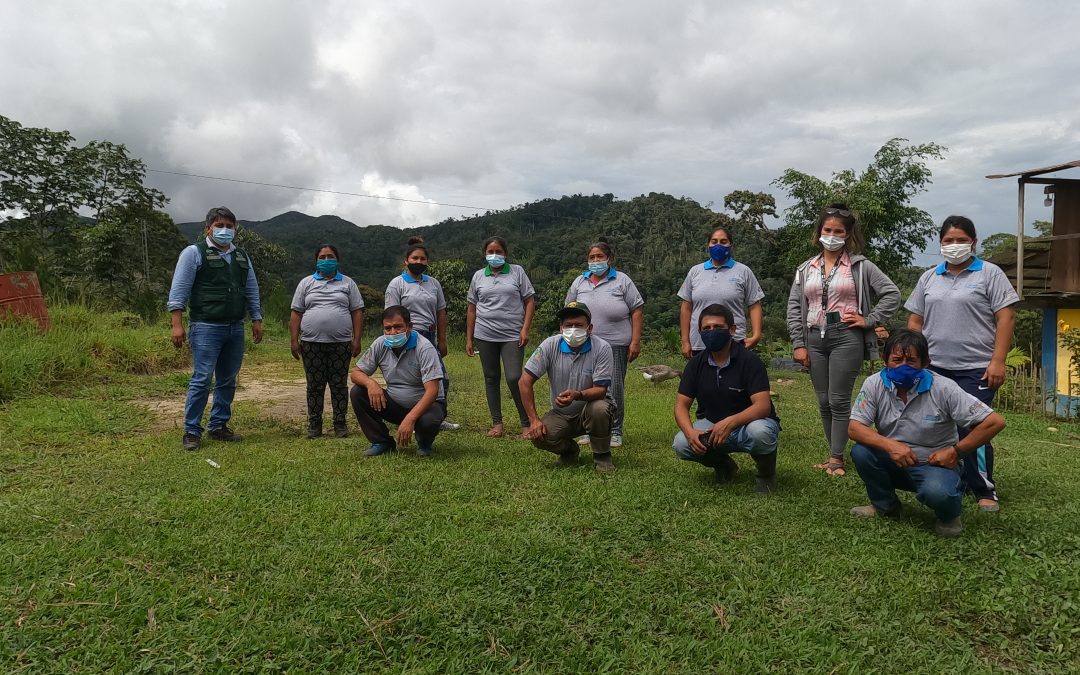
{"x": 871, "y": 511}
{"x": 582, "y": 440}
{"x": 376, "y": 449}
{"x": 190, "y": 442}
{"x": 603, "y": 464}
{"x": 314, "y": 432}
{"x": 568, "y": 458}
{"x": 616, "y": 440}
{"x": 225, "y": 434}
{"x": 447, "y": 425}
{"x": 424, "y": 452}
{"x": 341, "y": 431}
{"x": 949, "y": 528}
{"x": 989, "y": 505}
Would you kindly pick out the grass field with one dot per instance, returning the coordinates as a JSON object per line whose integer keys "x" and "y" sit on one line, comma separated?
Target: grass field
{"x": 122, "y": 552}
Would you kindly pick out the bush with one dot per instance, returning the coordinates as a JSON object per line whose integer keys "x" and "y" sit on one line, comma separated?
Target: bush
{"x": 81, "y": 344}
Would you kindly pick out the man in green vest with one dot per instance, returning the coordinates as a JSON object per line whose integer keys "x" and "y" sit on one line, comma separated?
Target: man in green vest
{"x": 216, "y": 280}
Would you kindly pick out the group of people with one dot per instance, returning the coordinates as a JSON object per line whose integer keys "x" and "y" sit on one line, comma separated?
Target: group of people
{"x": 922, "y": 424}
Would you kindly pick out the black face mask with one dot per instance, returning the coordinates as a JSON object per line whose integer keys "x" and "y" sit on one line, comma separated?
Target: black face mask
{"x": 416, "y": 269}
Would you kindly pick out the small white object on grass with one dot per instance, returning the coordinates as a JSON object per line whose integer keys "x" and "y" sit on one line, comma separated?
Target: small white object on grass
{"x": 1052, "y": 430}
{"x": 213, "y": 463}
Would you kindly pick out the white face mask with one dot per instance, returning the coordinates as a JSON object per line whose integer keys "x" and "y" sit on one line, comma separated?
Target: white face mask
{"x": 575, "y": 337}
{"x": 956, "y": 254}
{"x": 832, "y": 243}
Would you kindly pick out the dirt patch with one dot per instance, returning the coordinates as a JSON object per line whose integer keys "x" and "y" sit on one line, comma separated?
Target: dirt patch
{"x": 277, "y": 398}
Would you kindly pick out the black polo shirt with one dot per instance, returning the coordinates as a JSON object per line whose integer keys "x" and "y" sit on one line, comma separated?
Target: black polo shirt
{"x": 723, "y": 392}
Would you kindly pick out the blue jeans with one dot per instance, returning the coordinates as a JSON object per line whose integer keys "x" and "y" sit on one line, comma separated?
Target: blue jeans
{"x": 217, "y": 350}
{"x": 759, "y": 437}
{"x": 935, "y": 486}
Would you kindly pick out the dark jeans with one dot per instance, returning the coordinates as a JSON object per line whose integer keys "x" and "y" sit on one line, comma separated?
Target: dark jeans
{"x": 326, "y": 364}
{"x": 373, "y": 422}
{"x": 217, "y": 350}
{"x": 976, "y": 468}
{"x": 935, "y": 486}
{"x": 512, "y": 357}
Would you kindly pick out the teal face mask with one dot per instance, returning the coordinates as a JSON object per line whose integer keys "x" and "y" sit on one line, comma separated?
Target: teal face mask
{"x": 327, "y": 268}
{"x": 396, "y": 341}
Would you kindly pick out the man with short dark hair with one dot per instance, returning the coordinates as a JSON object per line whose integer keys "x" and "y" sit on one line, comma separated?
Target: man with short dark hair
{"x": 414, "y": 397}
{"x": 731, "y": 386}
{"x": 915, "y": 446}
{"x": 218, "y": 281}
{"x": 579, "y": 366}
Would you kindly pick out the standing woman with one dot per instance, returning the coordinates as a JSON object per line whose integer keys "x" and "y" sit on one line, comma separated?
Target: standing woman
{"x": 326, "y": 327}
{"x": 500, "y": 314}
{"x": 720, "y": 281}
{"x": 617, "y": 317}
{"x": 837, "y": 301}
{"x": 964, "y": 307}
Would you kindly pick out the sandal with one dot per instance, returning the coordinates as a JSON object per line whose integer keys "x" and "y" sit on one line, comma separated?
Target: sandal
{"x": 833, "y": 467}
{"x": 496, "y": 431}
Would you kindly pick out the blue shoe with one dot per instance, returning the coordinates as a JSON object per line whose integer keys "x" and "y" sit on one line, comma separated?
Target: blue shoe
{"x": 376, "y": 449}
{"x": 424, "y": 452}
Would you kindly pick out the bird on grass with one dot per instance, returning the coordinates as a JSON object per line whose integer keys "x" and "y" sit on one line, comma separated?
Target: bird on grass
{"x": 658, "y": 373}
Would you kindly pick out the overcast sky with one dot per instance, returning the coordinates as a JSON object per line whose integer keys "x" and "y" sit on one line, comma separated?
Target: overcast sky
{"x": 497, "y": 103}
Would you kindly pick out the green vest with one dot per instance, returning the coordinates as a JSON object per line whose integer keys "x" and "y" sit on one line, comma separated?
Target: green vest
{"x": 218, "y": 294}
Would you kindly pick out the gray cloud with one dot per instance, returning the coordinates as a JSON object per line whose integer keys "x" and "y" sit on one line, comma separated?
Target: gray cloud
{"x": 494, "y": 104}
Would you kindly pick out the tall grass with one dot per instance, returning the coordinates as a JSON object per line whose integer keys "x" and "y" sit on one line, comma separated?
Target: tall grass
{"x": 81, "y": 343}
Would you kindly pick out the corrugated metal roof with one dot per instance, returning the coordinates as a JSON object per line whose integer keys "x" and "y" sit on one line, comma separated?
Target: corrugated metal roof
{"x": 1036, "y": 172}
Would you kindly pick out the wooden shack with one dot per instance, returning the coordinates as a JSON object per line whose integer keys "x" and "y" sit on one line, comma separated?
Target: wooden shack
{"x": 1046, "y": 274}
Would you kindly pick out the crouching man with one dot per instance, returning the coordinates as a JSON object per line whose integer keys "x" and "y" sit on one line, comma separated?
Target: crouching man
{"x": 915, "y": 446}
{"x": 579, "y": 368}
{"x": 731, "y": 386}
{"x": 414, "y": 397}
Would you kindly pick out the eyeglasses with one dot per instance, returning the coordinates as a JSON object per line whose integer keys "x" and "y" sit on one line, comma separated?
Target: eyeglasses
{"x": 843, "y": 213}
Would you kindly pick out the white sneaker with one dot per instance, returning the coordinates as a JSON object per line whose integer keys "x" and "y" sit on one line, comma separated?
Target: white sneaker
{"x": 449, "y": 426}
{"x": 616, "y": 440}
{"x": 582, "y": 440}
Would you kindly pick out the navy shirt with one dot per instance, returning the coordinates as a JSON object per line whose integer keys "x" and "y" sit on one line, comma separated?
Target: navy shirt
{"x": 725, "y": 390}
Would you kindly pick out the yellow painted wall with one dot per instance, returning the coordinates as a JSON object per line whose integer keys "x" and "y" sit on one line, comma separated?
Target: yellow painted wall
{"x": 1070, "y": 318}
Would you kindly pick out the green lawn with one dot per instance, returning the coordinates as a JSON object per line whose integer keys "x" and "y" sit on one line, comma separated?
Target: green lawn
{"x": 121, "y": 552}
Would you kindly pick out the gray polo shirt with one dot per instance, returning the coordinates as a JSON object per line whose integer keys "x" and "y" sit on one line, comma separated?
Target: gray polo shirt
{"x": 731, "y": 284}
{"x": 958, "y": 312}
{"x": 424, "y": 299}
{"x": 327, "y": 305}
{"x": 566, "y": 369}
{"x": 610, "y": 302}
{"x": 927, "y": 422}
{"x": 405, "y": 373}
{"x": 500, "y": 302}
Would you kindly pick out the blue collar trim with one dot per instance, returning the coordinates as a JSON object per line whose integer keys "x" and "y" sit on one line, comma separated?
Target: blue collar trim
{"x": 409, "y": 280}
{"x": 711, "y": 264}
{"x": 610, "y": 273}
{"x": 565, "y": 348}
{"x": 925, "y": 381}
{"x": 337, "y": 277}
{"x": 975, "y": 266}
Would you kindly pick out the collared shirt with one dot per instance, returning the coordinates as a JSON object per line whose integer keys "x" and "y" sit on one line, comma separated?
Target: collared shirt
{"x": 842, "y": 295}
{"x": 589, "y": 366}
{"x": 327, "y": 305}
{"x": 423, "y": 298}
{"x": 958, "y": 312}
{"x": 500, "y": 302}
{"x": 188, "y": 265}
{"x": 405, "y": 372}
{"x": 936, "y": 406}
{"x": 725, "y": 390}
{"x": 731, "y": 284}
{"x": 611, "y": 301}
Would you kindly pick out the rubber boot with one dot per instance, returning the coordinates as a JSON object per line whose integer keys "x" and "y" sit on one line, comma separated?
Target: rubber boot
{"x": 765, "y": 481}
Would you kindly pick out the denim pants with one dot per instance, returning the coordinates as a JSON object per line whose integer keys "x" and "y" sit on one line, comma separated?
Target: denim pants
{"x": 935, "y": 486}
{"x": 976, "y": 468}
{"x": 217, "y": 350}
{"x": 759, "y": 437}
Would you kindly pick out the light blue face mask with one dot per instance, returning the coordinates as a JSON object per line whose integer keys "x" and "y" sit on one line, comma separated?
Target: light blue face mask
{"x": 396, "y": 341}
{"x": 223, "y": 235}
{"x": 598, "y": 268}
{"x": 495, "y": 261}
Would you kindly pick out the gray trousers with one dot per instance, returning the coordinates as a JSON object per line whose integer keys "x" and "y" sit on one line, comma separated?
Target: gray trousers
{"x": 835, "y": 361}
{"x": 512, "y": 358}
{"x": 594, "y": 420}
{"x": 621, "y": 356}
